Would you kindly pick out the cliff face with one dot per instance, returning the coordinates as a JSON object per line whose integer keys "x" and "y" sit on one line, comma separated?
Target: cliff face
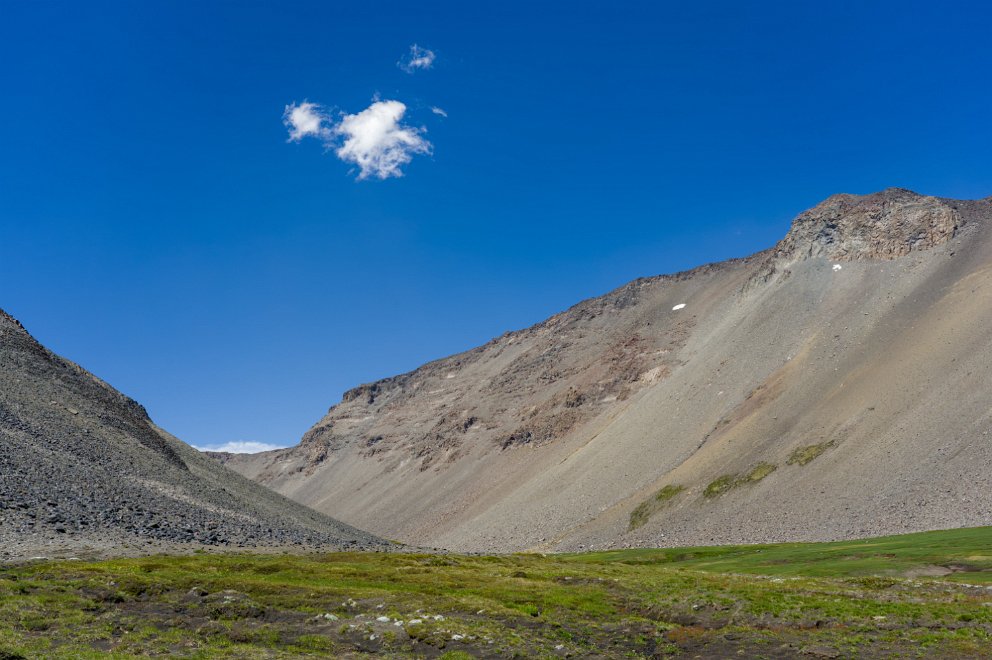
{"x": 884, "y": 225}
{"x": 848, "y": 340}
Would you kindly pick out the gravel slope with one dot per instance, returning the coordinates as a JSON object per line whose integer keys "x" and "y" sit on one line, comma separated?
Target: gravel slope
{"x": 84, "y": 471}
{"x": 867, "y": 331}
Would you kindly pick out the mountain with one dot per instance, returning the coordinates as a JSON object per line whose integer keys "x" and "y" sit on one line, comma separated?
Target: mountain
{"x": 837, "y": 385}
{"x": 84, "y": 470}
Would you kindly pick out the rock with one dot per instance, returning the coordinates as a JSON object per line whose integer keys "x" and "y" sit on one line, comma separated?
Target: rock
{"x": 884, "y": 225}
{"x": 125, "y": 482}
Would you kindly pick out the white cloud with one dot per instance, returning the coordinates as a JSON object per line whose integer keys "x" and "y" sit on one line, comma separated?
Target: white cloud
{"x": 305, "y": 119}
{"x": 376, "y": 141}
{"x": 418, "y": 58}
{"x": 438, "y": 111}
{"x": 241, "y": 447}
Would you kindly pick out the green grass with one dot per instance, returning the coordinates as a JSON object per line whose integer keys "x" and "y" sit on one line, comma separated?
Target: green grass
{"x": 759, "y": 472}
{"x": 967, "y": 552}
{"x": 804, "y": 455}
{"x": 643, "y": 511}
{"x": 851, "y": 598}
{"x": 728, "y": 482}
{"x": 720, "y": 485}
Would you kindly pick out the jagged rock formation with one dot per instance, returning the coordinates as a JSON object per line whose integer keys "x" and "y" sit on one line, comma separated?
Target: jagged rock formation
{"x": 834, "y": 386}
{"x": 880, "y": 226}
{"x": 885, "y": 225}
{"x": 83, "y": 468}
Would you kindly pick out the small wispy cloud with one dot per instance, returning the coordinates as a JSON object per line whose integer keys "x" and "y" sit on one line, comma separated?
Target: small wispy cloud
{"x": 417, "y": 59}
{"x": 374, "y": 139}
{"x": 304, "y": 120}
{"x": 438, "y": 111}
{"x": 241, "y": 447}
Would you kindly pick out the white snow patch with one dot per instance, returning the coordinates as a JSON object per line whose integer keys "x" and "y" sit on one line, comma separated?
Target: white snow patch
{"x": 837, "y": 266}
{"x": 678, "y": 307}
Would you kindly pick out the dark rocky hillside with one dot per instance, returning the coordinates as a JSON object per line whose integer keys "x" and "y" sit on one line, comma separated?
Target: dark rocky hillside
{"x": 83, "y": 468}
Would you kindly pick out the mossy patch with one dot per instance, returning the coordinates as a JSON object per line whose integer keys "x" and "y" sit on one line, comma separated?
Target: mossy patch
{"x": 727, "y": 482}
{"x": 668, "y": 492}
{"x": 759, "y": 472}
{"x": 804, "y": 455}
{"x": 652, "y": 505}
{"x": 720, "y": 485}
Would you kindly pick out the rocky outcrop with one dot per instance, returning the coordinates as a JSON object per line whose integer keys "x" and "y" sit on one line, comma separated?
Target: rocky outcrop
{"x": 884, "y": 225}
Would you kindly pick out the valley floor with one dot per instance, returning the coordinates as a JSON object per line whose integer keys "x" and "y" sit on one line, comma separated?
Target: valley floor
{"x": 919, "y": 595}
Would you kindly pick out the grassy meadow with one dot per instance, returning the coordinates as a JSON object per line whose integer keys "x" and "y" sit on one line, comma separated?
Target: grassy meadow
{"x": 919, "y": 595}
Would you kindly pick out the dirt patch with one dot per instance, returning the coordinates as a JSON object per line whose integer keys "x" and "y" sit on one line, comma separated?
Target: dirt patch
{"x": 930, "y": 570}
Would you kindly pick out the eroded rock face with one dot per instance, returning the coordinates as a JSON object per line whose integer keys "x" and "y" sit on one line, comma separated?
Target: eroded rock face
{"x": 525, "y": 388}
{"x": 884, "y": 225}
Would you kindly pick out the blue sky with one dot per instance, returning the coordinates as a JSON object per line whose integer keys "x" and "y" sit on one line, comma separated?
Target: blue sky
{"x": 160, "y": 228}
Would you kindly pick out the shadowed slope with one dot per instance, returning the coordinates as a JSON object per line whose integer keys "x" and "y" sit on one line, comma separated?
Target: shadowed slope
{"x": 82, "y": 467}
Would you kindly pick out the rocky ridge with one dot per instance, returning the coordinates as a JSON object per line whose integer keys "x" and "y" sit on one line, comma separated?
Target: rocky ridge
{"x": 82, "y": 466}
{"x": 883, "y": 225}
{"x": 880, "y": 226}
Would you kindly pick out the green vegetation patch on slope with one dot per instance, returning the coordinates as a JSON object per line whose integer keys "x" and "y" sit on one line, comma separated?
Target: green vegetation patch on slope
{"x": 759, "y": 472}
{"x": 720, "y": 485}
{"x": 643, "y": 512}
{"x": 804, "y": 455}
{"x": 834, "y": 598}
{"x": 728, "y": 482}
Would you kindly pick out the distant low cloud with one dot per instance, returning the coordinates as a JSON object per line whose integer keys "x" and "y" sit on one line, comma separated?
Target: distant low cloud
{"x": 438, "y": 111}
{"x": 374, "y": 139}
{"x": 304, "y": 120}
{"x": 241, "y": 447}
{"x": 417, "y": 59}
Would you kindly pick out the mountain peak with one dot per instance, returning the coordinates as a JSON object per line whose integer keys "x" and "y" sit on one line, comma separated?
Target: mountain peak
{"x": 882, "y": 225}
{"x": 7, "y": 319}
